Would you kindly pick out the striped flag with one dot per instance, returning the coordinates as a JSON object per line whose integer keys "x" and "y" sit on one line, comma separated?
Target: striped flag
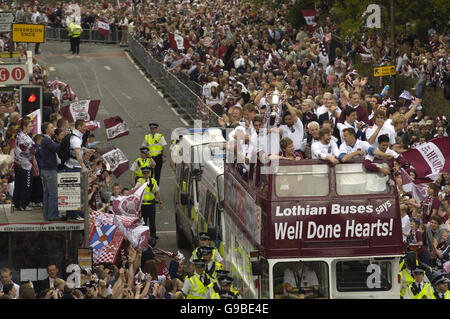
{"x": 115, "y": 128}
{"x": 178, "y": 42}
{"x": 418, "y": 191}
{"x": 430, "y": 159}
{"x": 129, "y": 205}
{"x": 310, "y": 17}
{"x": 115, "y": 160}
{"x": 81, "y": 110}
{"x": 103, "y": 28}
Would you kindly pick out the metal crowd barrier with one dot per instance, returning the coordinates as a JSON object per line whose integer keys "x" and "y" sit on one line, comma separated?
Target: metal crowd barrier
{"x": 88, "y": 35}
{"x": 186, "y": 95}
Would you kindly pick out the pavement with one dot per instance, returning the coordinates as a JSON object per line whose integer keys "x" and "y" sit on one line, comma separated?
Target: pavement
{"x": 107, "y": 72}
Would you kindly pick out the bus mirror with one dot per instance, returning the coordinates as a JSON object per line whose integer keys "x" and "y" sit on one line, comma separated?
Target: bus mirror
{"x": 411, "y": 259}
{"x": 256, "y": 268}
{"x": 184, "y": 198}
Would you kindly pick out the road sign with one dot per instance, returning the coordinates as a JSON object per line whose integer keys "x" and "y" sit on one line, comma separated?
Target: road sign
{"x": 6, "y": 17}
{"x": 384, "y": 70}
{"x": 69, "y": 191}
{"x": 30, "y": 33}
{"x": 14, "y": 74}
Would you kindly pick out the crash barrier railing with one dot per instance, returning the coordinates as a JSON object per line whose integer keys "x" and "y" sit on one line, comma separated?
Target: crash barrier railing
{"x": 88, "y": 35}
{"x": 174, "y": 84}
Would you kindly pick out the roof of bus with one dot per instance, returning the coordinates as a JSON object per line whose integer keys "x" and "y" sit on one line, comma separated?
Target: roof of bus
{"x": 205, "y": 136}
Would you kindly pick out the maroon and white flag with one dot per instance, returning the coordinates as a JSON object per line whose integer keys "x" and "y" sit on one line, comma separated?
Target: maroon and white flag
{"x": 177, "y": 42}
{"x": 310, "y": 17}
{"x": 430, "y": 159}
{"x": 115, "y": 160}
{"x": 92, "y": 125}
{"x": 81, "y": 110}
{"x": 115, "y": 127}
{"x": 129, "y": 205}
{"x": 418, "y": 191}
{"x": 103, "y": 28}
{"x": 137, "y": 235}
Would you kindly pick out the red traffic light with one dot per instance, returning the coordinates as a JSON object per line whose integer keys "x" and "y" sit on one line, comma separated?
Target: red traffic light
{"x": 32, "y": 98}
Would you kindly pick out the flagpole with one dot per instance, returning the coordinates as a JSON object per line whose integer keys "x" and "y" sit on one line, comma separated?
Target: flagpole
{"x": 84, "y": 179}
{"x": 393, "y": 84}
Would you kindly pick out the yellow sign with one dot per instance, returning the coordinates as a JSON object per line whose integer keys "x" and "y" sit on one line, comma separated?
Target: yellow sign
{"x": 384, "y": 70}
{"x": 6, "y": 55}
{"x": 33, "y": 33}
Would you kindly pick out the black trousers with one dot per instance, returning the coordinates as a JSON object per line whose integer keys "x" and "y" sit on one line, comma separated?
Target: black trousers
{"x": 22, "y": 187}
{"x": 76, "y": 45}
{"x": 149, "y": 216}
{"x": 37, "y": 193}
{"x": 157, "y": 170}
{"x": 36, "y": 48}
{"x": 71, "y": 45}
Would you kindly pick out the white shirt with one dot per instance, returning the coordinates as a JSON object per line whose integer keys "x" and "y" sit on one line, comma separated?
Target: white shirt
{"x": 75, "y": 142}
{"x": 385, "y": 130}
{"x": 406, "y": 227}
{"x": 388, "y": 151}
{"x": 342, "y": 126}
{"x": 15, "y": 286}
{"x": 305, "y": 278}
{"x": 296, "y": 136}
{"x": 359, "y": 145}
{"x": 320, "y": 151}
{"x": 321, "y": 110}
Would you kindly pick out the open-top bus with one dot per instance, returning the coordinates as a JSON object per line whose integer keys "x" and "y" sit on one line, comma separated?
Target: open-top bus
{"x": 340, "y": 221}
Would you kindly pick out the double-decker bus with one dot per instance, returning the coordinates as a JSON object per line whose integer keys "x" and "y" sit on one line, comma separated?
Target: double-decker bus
{"x": 339, "y": 221}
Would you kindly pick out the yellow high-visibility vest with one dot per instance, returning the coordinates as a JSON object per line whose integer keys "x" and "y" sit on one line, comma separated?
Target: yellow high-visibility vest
{"x": 149, "y": 194}
{"x": 198, "y": 289}
{"x": 407, "y": 279}
{"x": 76, "y": 31}
{"x": 141, "y": 163}
{"x": 425, "y": 293}
{"x": 154, "y": 144}
{"x": 70, "y": 28}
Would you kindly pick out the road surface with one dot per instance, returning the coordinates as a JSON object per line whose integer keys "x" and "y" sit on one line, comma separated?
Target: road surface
{"x": 107, "y": 72}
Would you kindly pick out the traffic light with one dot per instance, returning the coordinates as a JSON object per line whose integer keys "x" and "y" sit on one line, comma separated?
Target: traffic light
{"x": 30, "y": 99}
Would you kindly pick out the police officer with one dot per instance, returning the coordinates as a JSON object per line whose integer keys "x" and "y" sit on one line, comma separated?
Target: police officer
{"x": 419, "y": 289}
{"x": 221, "y": 286}
{"x": 148, "y": 202}
{"x": 142, "y": 161}
{"x": 211, "y": 266}
{"x": 441, "y": 287}
{"x": 76, "y": 34}
{"x": 195, "y": 286}
{"x": 222, "y": 273}
{"x": 157, "y": 147}
{"x": 205, "y": 241}
{"x": 406, "y": 276}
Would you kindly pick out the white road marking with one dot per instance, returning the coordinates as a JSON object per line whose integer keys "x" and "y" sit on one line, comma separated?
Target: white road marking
{"x": 51, "y": 69}
{"x": 167, "y": 232}
{"x": 174, "y": 111}
{"x": 127, "y": 96}
{"x": 160, "y": 94}
{"x": 108, "y": 67}
{"x": 142, "y": 73}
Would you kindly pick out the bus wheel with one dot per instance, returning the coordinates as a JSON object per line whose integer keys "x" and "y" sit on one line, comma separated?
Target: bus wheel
{"x": 182, "y": 241}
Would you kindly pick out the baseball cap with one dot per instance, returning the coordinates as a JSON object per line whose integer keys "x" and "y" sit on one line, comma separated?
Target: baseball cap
{"x": 143, "y": 150}
{"x": 153, "y": 125}
{"x": 204, "y": 235}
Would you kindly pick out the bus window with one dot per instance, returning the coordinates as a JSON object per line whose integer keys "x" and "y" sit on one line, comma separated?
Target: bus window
{"x": 363, "y": 275}
{"x": 353, "y": 179}
{"x": 302, "y": 180}
{"x": 301, "y": 280}
{"x": 210, "y": 208}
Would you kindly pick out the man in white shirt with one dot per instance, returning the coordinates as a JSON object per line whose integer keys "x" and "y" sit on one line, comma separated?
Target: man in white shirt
{"x": 298, "y": 278}
{"x": 350, "y": 122}
{"x": 352, "y": 148}
{"x": 379, "y": 128}
{"x": 325, "y": 149}
{"x": 293, "y": 128}
{"x": 75, "y": 163}
{"x": 386, "y": 152}
{"x": 6, "y": 278}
